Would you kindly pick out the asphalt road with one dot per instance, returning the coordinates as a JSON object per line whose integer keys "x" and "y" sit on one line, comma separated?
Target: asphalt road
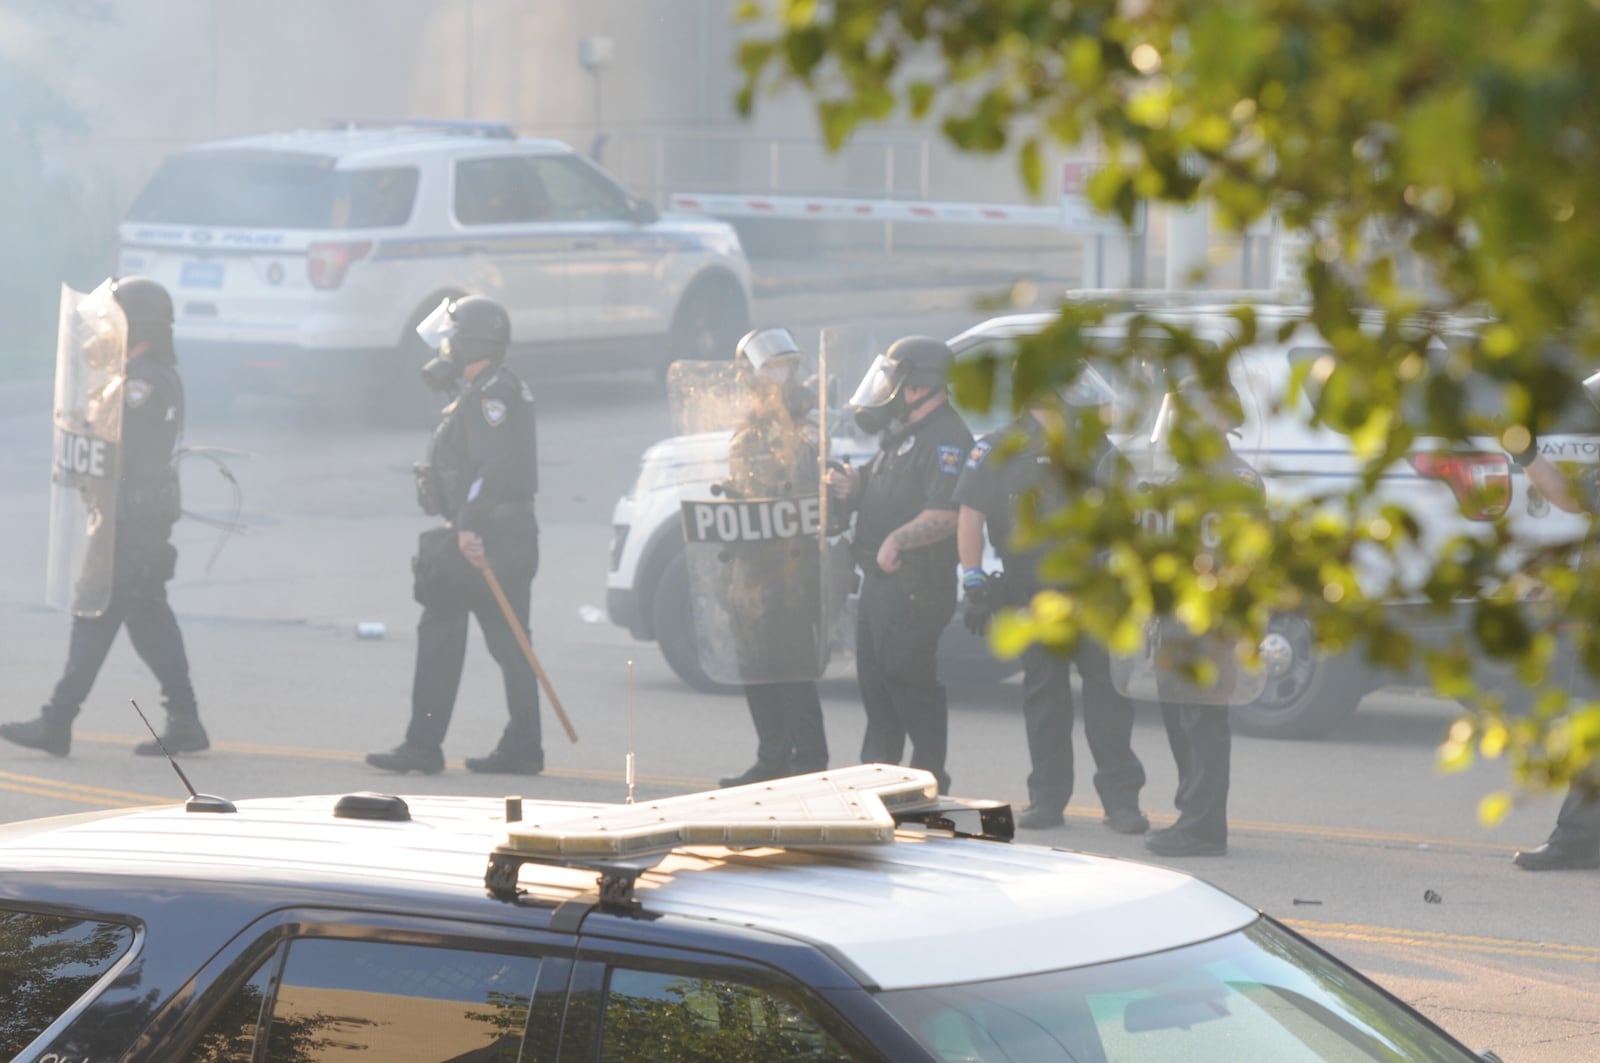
{"x": 1342, "y": 838}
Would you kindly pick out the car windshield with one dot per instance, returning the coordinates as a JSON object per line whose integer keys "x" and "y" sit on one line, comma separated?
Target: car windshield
{"x": 1259, "y": 993}
{"x": 274, "y": 190}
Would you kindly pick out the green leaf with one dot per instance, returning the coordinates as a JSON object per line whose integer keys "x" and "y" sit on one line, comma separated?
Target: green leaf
{"x": 1493, "y": 808}
{"x": 1032, "y": 165}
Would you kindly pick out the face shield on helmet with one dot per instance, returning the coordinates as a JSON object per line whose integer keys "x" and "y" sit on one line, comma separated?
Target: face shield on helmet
{"x": 879, "y": 386}
{"x": 764, "y": 346}
{"x": 438, "y": 326}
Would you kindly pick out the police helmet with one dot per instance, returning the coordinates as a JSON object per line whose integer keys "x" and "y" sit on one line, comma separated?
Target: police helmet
{"x": 143, "y": 301}
{"x": 760, "y": 346}
{"x": 920, "y": 361}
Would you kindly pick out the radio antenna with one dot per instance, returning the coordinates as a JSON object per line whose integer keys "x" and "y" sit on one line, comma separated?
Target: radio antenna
{"x": 627, "y": 770}
{"x": 197, "y": 802}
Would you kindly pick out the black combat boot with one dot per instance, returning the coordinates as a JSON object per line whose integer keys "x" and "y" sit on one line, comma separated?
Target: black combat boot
{"x": 52, "y": 734}
{"x": 507, "y": 762}
{"x": 183, "y": 735}
{"x": 404, "y": 758}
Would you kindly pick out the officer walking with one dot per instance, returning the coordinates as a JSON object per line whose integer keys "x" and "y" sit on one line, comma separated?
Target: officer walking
{"x": 905, "y": 523}
{"x": 147, "y": 506}
{"x": 481, "y": 476}
{"x": 1575, "y": 842}
{"x": 1003, "y": 469}
{"x": 1196, "y": 720}
{"x": 776, "y": 585}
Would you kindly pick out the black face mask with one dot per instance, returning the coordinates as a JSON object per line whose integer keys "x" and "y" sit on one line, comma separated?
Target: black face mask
{"x": 875, "y": 419}
{"x": 797, "y": 399}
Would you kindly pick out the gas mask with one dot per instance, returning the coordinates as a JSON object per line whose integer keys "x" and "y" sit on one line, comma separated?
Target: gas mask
{"x": 880, "y": 401}
{"x": 443, "y": 370}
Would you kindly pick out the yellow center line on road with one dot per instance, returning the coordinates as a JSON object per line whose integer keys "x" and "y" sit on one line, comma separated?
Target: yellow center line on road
{"x": 1437, "y": 939}
{"x": 79, "y": 792}
{"x": 345, "y": 756}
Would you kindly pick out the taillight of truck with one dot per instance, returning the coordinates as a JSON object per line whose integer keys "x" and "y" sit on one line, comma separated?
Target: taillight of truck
{"x": 1480, "y": 480}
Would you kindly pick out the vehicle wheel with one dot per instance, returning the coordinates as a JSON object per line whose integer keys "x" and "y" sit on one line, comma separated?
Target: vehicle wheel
{"x": 673, "y": 623}
{"x": 707, "y": 326}
{"x": 1315, "y": 695}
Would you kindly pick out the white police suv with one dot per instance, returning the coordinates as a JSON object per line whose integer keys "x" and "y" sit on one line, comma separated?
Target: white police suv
{"x": 842, "y": 917}
{"x": 1456, "y": 490}
{"x": 297, "y": 260}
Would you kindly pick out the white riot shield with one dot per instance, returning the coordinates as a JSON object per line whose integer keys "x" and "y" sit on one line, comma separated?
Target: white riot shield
{"x": 763, "y": 580}
{"x": 1175, "y": 665}
{"x": 91, "y": 357}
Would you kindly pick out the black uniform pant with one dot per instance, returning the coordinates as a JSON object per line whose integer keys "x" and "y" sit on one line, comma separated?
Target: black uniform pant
{"x": 138, "y": 602}
{"x": 442, "y": 650}
{"x": 1202, "y": 745}
{"x": 1578, "y": 822}
{"x": 789, "y": 733}
{"x": 1047, "y": 710}
{"x": 897, "y": 638}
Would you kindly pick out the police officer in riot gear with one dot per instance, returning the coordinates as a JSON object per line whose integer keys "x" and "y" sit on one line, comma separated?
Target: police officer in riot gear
{"x": 774, "y": 454}
{"x": 481, "y": 476}
{"x": 1199, "y": 733}
{"x": 904, "y": 542}
{"x": 1575, "y": 841}
{"x": 147, "y": 506}
{"x": 1004, "y": 469}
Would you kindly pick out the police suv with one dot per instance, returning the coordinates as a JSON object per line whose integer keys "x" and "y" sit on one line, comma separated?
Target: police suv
{"x": 1455, "y": 491}
{"x": 842, "y": 917}
{"x": 298, "y": 260}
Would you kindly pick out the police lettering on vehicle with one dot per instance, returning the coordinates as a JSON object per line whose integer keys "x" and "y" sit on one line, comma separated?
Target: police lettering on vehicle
{"x": 81, "y": 455}
{"x": 1162, "y": 522}
{"x": 752, "y": 521}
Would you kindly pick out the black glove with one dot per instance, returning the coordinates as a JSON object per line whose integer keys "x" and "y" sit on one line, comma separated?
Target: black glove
{"x": 979, "y": 595}
{"x": 1526, "y": 455}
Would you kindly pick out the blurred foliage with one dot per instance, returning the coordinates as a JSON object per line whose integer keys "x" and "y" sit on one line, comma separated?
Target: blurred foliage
{"x": 1436, "y": 157}
{"x": 47, "y": 231}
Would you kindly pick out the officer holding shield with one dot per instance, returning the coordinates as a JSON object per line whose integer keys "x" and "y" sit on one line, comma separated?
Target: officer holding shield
{"x": 905, "y": 523}
{"x": 771, "y": 586}
{"x": 481, "y": 476}
{"x": 1196, "y": 716}
{"x": 115, "y": 480}
{"x": 1575, "y": 841}
{"x": 1006, "y": 469}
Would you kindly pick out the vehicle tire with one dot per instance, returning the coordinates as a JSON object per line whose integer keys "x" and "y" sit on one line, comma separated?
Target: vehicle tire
{"x": 1315, "y": 695}
{"x": 673, "y": 623}
{"x": 399, "y": 397}
{"x": 708, "y": 324}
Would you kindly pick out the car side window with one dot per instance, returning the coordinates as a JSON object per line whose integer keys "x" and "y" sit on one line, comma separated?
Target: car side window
{"x": 577, "y": 191}
{"x": 679, "y": 1018}
{"x": 47, "y": 963}
{"x": 499, "y": 191}
{"x": 326, "y": 999}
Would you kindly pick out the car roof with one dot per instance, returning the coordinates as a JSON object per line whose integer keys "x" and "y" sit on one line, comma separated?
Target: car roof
{"x": 381, "y": 144}
{"x": 929, "y": 909}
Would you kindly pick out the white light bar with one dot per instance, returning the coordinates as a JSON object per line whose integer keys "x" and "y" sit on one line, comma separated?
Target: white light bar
{"x": 851, "y": 806}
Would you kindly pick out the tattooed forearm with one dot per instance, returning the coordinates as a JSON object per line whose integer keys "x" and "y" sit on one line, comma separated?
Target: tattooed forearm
{"x": 928, "y": 527}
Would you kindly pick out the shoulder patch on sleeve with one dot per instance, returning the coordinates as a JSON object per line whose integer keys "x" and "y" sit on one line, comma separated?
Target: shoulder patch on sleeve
{"x": 980, "y": 450}
{"x": 949, "y": 459}
{"x": 1247, "y": 476}
{"x": 494, "y": 412}
{"x": 138, "y": 391}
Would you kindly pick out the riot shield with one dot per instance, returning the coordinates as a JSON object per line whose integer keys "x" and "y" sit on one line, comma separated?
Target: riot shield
{"x": 765, "y": 585}
{"x": 91, "y": 356}
{"x": 1174, "y": 665}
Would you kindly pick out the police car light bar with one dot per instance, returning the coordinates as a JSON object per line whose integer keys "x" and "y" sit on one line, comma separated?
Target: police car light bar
{"x": 852, "y": 806}
{"x": 459, "y": 127}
